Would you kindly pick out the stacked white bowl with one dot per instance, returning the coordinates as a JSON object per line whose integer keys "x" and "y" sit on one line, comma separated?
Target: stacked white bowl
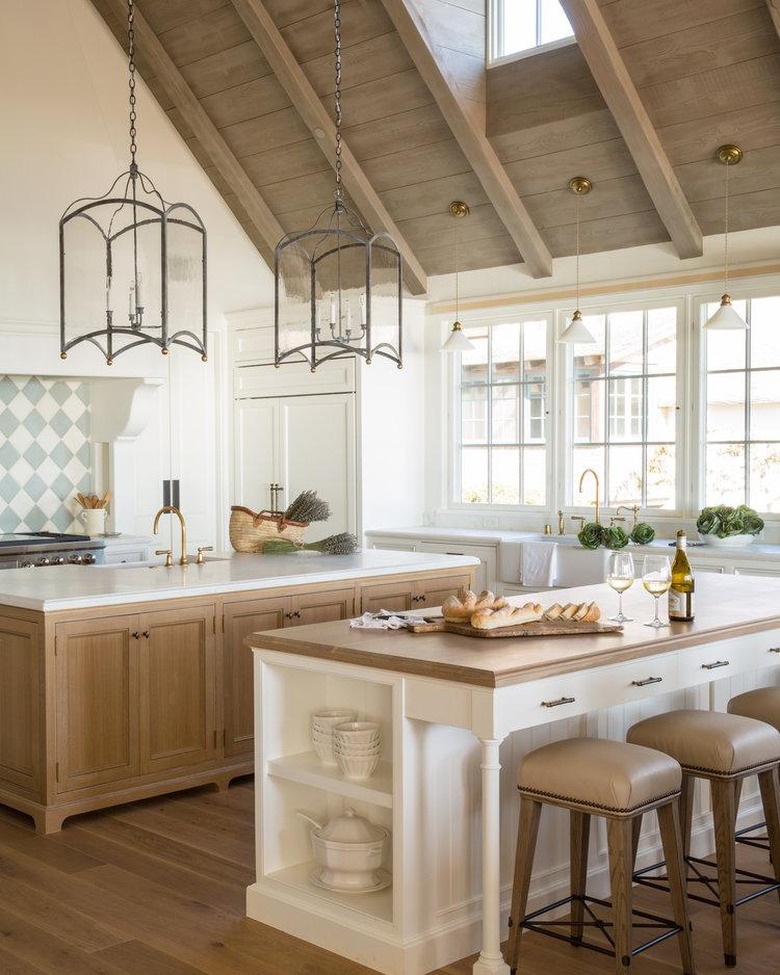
{"x": 322, "y": 725}
{"x": 357, "y": 746}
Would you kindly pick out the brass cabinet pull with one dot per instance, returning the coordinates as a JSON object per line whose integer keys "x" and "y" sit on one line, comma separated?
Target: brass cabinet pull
{"x": 418, "y": 599}
{"x": 718, "y": 663}
{"x": 555, "y": 704}
{"x": 136, "y": 636}
{"x": 646, "y": 681}
{"x": 145, "y": 634}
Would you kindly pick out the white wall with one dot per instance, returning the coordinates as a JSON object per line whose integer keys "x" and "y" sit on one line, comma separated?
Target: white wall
{"x": 63, "y": 119}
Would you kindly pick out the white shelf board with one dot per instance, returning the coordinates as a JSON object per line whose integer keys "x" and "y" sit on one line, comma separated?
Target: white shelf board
{"x": 377, "y": 905}
{"x": 306, "y": 769}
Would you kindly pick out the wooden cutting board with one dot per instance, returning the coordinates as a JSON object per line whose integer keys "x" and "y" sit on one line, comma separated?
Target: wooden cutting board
{"x": 542, "y": 628}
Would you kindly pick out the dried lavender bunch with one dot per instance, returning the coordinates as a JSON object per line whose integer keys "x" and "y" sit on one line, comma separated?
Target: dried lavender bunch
{"x": 307, "y": 507}
{"x": 344, "y": 543}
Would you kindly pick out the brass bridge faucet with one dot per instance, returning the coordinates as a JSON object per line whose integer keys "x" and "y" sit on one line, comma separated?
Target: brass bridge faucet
{"x": 172, "y": 509}
{"x": 634, "y": 509}
{"x": 589, "y": 470}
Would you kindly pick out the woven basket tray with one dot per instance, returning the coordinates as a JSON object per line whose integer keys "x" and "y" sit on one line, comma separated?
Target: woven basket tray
{"x": 249, "y": 529}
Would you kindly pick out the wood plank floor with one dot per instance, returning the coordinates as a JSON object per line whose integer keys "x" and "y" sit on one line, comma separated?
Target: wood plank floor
{"x": 157, "y": 888}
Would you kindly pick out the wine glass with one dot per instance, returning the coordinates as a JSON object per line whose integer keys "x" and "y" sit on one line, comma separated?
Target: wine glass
{"x": 656, "y": 578}
{"x": 620, "y": 576}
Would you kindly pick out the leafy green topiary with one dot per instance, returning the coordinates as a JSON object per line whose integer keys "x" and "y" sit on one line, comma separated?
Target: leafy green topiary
{"x": 590, "y": 535}
{"x": 642, "y": 533}
{"x": 614, "y": 537}
{"x": 723, "y": 520}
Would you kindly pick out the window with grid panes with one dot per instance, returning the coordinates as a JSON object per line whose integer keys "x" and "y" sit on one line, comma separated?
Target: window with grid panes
{"x": 742, "y": 408}
{"x": 623, "y": 408}
{"x": 525, "y": 25}
{"x": 502, "y": 449}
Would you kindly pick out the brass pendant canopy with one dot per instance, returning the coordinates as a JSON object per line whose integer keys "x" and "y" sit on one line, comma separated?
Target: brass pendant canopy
{"x": 725, "y": 318}
{"x": 457, "y": 341}
{"x": 132, "y": 267}
{"x": 337, "y": 286}
{"x": 575, "y": 332}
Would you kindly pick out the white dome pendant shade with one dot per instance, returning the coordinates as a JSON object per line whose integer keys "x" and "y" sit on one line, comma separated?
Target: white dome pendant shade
{"x": 726, "y": 318}
{"x": 457, "y": 341}
{"x": 575, "y": 332}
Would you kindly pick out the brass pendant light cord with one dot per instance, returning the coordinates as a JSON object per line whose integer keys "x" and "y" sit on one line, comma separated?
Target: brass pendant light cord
{"x": 726, "y": 237}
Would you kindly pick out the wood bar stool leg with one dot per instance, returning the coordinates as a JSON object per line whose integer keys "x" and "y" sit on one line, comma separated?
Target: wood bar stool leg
{"x": 724, "y": 816}
{"x": 686, "y": 811}
{"x": 579, "y": 831}
{"x": 636, "y": 831}
{"x": 671, "y": 837}
{"x": 527, "y": 833}
{"x": 620, "y": 843}
{"x": 770, "y": 799}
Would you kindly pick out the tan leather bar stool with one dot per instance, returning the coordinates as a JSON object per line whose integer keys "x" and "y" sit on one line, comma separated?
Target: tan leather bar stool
{"x": 724, "y": 749}
{"x": 762, "y": 704}
{"x": 620, "y": 782}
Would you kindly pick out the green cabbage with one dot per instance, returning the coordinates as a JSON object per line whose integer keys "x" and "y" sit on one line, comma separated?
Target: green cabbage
{"x": 590, "y": 535}
{"x": 614, "y": 537}
{"x": 642, "y": 533}
{"x": 723, "y": 520}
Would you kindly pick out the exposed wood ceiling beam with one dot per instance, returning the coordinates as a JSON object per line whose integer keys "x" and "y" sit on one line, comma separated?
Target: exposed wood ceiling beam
{"x": 473, "y": 142}
{"x": 619, "y": 92}
{"x": 309, "y": 106}
{"x": 774, "y": 13}
{"x": 268, "y": 228}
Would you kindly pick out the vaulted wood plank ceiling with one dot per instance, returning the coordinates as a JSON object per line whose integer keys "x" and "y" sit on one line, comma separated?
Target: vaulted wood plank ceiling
{"x": 639, "y": 106}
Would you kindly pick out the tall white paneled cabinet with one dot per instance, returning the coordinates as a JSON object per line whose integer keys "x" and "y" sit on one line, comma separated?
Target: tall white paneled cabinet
{"x": 351, "y": 431}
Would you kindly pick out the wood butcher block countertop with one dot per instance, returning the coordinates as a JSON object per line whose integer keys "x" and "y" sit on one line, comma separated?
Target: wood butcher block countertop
{"x": 726, "y": 607}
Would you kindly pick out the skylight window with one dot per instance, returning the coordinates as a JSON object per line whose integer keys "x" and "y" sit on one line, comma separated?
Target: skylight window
{"x": 521, "y": 26}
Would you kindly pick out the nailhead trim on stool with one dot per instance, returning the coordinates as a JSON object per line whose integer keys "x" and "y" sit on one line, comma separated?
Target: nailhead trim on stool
{"x": 619, "y": 782}
{"x": 724, "y": 749}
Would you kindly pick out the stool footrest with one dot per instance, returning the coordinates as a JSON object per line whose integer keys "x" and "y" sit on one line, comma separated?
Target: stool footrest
{"x": 743, "y": 877}
{"x": 529, "y": 922}
{"x": 759, "y": 842}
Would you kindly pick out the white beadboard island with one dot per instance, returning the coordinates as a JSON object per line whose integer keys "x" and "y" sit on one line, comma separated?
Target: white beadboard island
{"x": 122, "y": 682}
{"x": 457, "y": 714}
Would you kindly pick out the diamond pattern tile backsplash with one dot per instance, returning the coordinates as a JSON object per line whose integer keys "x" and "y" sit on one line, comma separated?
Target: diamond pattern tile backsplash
{"x": 45, "y": 453}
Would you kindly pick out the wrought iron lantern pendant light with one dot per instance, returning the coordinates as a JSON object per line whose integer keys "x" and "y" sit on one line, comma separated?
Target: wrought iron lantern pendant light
{"x": 726, "y": 318}
{"x": 575, "y": 332}
{"x": 337, "y": 286}
{"x": 457, "y": 341}
{"x": 129, "y": 249}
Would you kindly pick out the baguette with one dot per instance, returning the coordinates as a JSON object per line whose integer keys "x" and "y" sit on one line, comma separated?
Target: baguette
{"x": 488, "y": 619}
{"x": 457, "y": 610}
{"x": 568, "y": 611}
{"x": 554, "y": 612}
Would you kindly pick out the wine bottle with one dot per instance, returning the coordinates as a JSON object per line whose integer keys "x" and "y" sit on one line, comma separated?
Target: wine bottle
{"x": 682, "y": 587}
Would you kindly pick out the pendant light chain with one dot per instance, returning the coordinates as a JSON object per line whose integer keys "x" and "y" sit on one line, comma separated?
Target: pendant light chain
{"x": 131, "y": 83}
{"x": 726, "y": 237}
{"x": 337, "y": 28}
{"x": 457, "y": 289}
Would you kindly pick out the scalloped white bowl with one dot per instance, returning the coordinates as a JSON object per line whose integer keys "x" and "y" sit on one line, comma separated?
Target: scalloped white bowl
{"x": 730, "y": 541}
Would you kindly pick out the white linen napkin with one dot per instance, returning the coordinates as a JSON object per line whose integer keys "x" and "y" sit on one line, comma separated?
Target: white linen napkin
{"x": 383, "y": 620}
{"x": 538, "y": 563}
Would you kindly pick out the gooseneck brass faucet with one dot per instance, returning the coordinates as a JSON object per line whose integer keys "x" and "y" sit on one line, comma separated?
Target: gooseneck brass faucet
{"x": 172, "y": 509}
{"x": 589, "y": 470}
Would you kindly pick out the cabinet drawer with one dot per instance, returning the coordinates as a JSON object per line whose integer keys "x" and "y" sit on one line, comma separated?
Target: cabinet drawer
{"x": 728, "y": 657}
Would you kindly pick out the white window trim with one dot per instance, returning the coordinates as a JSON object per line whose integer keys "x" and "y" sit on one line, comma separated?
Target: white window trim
{"x": 494, "y": 41}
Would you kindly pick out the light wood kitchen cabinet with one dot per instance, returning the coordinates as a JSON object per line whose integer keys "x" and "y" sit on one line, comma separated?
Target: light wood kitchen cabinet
{"x": 177, "y": 671}
{"x": 20, "y": 739}
{"x": 408, "y": 593}
{"x": 247, "y": 616}
{"x": 134, "y": 695}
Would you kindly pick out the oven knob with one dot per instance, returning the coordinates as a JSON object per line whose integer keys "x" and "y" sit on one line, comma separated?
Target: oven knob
{"x": 74, "y": 559}
{"x": 88, "y": 559}
{"x": 58, "y": 560}
{"x": 43, "y": 561}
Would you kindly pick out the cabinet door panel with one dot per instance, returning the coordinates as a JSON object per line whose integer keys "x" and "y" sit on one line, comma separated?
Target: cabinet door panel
{"x": 97, "y": 704}
{"x": 257, "y": 451}
{"x": 240, "y": 620}
{"x": 322, "y": 607}
{"x": 395, "y": 596}
{"x": 20, "y": 691}
{"x": 433, "y": 592}
{"x": 177, "y": 670}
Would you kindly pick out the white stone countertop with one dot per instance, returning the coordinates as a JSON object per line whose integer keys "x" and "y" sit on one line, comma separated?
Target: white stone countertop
{"x": 493, "y": 536}
{"x": 54, "y": 588}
